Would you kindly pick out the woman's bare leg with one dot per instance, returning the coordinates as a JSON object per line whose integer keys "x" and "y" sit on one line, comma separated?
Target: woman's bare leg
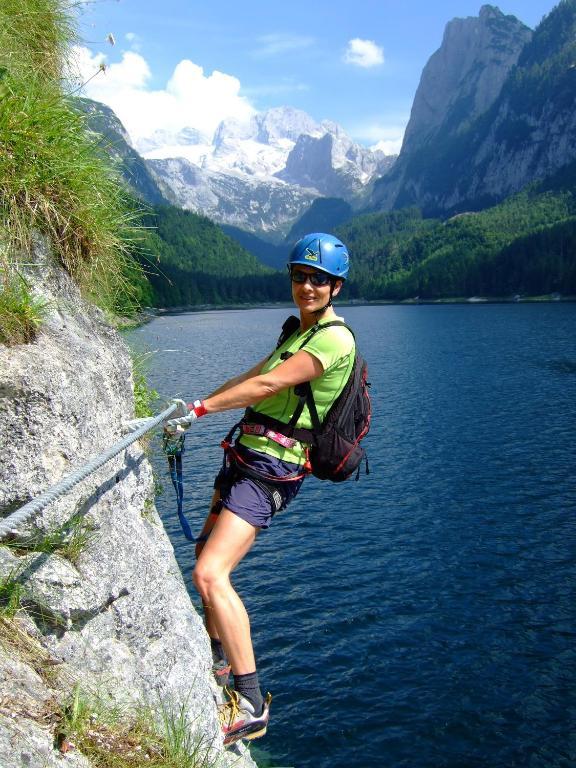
{"x": 209, "y": 524}
{"x": 230, "y": 540}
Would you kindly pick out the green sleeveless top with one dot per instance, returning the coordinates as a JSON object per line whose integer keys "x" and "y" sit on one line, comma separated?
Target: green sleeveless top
{"x": 334, "y": 348}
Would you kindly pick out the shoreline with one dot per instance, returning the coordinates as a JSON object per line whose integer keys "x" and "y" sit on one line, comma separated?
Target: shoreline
{"x": 152, "y": 312}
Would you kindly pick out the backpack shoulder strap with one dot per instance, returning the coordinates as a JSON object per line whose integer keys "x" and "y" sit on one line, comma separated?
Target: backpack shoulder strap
{"x": 291, "y": 324}
{"x": 304, "y": 390}
{"x": 316, "y": 328}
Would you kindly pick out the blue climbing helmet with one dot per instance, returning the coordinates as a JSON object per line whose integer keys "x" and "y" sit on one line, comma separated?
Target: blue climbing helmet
{"x": 323, "y": 252}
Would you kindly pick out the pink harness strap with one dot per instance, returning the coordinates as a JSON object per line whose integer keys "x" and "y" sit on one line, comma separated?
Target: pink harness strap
{"x": 261, "y": 431}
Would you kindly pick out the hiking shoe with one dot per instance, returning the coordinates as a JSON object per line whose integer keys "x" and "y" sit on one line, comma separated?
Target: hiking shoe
{"x": 221, "y": 670}
{"x": 238, "y": 720}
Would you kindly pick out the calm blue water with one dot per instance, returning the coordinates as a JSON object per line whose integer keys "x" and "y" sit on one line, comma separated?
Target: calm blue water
{"x": 424, "y": 616}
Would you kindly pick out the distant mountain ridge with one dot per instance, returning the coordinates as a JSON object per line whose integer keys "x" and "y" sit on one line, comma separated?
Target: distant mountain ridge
{"x": 262, "y": 174}
{"x": 103, "y": 121}
{"x": 260, "y": 205}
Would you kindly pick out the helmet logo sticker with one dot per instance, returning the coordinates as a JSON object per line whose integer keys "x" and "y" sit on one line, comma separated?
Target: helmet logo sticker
{"x": 310, "y": 255}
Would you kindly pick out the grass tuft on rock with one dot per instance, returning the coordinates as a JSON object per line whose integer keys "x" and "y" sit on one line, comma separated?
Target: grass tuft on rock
{"x": 54, "y": 174}
{"x": 68, "y": 540}
{"x": 10, "y": 595}
{"x": 109, "y": 738}
{"x": 21, "y": 313}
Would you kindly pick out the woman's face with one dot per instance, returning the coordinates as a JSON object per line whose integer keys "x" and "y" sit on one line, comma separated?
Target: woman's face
{"x": 311, "y": 298}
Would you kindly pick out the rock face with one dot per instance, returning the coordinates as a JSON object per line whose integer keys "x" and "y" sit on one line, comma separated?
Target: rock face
{"x": 333, "y": 165}
{"x": 460, "y": 85}
{"x": 465, "y": 76}
{"x": 117, "y": 618}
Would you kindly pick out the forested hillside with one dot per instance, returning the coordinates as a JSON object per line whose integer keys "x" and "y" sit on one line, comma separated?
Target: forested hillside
{"x": 190, "y": 261}
{"x": 525, "y": 245}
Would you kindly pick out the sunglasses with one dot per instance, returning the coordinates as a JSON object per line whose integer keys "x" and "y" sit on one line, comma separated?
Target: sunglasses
{"x": 317, "y": 279}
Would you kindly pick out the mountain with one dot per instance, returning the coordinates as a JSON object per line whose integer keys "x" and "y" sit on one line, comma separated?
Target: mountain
{"x": 190, "y": 261}
{"x": 324, "y": 215}
{"x": 465, "y": 76}
{"x": 187, "y": 258}
{"x": 470, "y": 146}
{"x": 262, "y": 174}
{"x": 103, "y": 121}
{"x": 494, "y": 112}
{"x": 264, "y": 205}
{"x": 332, "y": 164}
{"x": 267, "y": 253}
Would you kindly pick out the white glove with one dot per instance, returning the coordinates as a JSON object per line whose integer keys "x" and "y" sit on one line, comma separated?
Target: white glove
{"x": 181, "y": 409}
{"x": 184, "y": 417}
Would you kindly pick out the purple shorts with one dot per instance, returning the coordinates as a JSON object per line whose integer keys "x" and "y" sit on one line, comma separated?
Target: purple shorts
{"x": 254, "y": 500}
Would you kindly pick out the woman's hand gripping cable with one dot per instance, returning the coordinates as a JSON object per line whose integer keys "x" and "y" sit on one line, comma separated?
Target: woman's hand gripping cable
{"x": 184, "y": 415}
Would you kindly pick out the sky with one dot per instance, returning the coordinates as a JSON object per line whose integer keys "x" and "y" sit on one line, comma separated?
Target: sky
{"x": 192, "y": 63}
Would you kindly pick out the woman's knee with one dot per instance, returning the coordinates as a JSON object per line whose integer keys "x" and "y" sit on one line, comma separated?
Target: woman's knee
{"x": 207, "y": 578}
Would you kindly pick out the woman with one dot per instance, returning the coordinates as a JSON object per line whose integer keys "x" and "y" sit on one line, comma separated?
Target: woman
{"x": 264, "y": 470}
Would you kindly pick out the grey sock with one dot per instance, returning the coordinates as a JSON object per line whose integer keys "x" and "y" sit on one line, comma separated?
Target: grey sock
{"x": 249, "y": 687}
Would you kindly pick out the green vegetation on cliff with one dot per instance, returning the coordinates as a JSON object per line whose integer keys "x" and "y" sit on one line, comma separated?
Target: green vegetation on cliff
{"x": 54, "y": 179}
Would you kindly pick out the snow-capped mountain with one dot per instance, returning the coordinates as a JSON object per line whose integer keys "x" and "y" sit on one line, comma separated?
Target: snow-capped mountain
{"x": 258, "y": 147}
{"x": 260, "y": 205}
{"x": 263, "y": 173}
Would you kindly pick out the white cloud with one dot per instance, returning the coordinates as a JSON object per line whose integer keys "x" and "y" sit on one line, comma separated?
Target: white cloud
{"x": 189, "y": 99}
{"x": 363, "y": 53}
{"x": 272, "y": 45}
{"x": 384, "y": 133}
{"x": 388, "y": 146}
{"x": 134, "y": 40}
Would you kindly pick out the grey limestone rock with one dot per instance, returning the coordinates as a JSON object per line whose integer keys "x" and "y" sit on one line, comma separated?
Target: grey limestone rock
{"x": 465, "y": 75}
{"x": 117, "y": 617}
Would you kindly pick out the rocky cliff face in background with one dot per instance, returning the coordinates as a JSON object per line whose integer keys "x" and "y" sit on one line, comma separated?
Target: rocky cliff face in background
{"x": 333, "y": 165}
{"x": 465, "y": 76}
{"x": 460, "y": 82}
{"x": 118, "y": 620}
{"x": 470, "y": 147}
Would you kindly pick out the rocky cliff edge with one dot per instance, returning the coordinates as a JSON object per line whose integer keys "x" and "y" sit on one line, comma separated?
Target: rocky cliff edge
{"x": 114, "y": 620}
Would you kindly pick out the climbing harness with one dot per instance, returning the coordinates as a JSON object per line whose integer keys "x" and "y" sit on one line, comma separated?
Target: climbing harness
{"x": 233, "y": 457}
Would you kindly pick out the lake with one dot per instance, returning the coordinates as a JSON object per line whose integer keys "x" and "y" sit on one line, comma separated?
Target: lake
{"x": 423, "y": 616}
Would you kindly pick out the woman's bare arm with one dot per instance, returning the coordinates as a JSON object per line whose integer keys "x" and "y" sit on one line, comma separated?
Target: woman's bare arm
{"x": 254, "y": 371}
{"x": 248, "y": 390}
